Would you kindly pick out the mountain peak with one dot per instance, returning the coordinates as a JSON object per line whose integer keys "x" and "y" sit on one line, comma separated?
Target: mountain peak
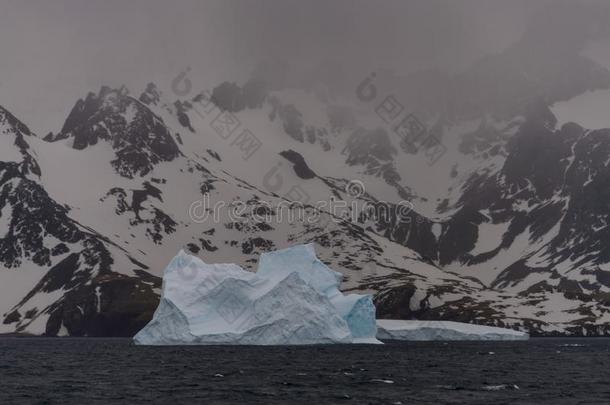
{"x": 9, "y": 123}
{"x": 139, "y": 137}
{"x": 151, "y": 95}
{"x": 14, "y": 149}
{"x": 106, "y": 98}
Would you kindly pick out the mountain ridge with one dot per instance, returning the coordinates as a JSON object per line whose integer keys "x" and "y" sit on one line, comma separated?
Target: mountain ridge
{"x": 128, "y": 214}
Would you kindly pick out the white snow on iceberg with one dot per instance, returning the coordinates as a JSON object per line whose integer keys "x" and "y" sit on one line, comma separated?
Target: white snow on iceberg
{"x": 292, "y": 299}
{"x": 390, "y": 329}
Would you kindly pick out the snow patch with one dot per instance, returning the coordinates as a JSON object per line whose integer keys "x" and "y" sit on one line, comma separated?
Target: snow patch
{"x": 585, "y": 110}
{"x": 6, "y": 215}
{"x": 490, "y": 237}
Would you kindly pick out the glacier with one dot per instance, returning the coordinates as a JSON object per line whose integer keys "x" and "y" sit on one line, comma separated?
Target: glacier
{"x": 292, "y": 299}
{"x": 391, "y": 329}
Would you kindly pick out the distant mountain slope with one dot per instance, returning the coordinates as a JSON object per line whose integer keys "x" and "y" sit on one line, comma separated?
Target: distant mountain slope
{"x": 58, "y": 275}
{"x": 507, "y": 228}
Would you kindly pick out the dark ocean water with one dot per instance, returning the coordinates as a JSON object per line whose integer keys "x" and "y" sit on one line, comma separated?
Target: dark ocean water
{"x": 92, "y": 371}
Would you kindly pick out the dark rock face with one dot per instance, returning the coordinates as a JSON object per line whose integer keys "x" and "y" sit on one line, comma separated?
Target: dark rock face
{"x": 231, "y": 97}
{"x": 36, "y": 221}
{"x": 157, "y": 223}
{"x": 18, "y": 132}
{"x": 395, "y": 303}
{"x": 139, "y": 137}
{"x": 550, "y": 192}
{"x": 151, "y": 95}
{"x": 183, "y": 118}
{"x": 486, "y": 141}
{"x": 552, "y": 185}
{"x": 71, "y": 258}
{"x": 374, "y": 150}
{"x": 13, "y": 125}
{"x": 113, "y": 305}
{"x": 290, "y": 117}
{"x": 34, "y": 215}
{"x": 300, "y": 166}
{"x": 228, "y": 97}
{"x": 559, "y": 175}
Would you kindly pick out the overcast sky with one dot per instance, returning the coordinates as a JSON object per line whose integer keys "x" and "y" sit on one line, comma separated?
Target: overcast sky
{"x": 55, "y": 51}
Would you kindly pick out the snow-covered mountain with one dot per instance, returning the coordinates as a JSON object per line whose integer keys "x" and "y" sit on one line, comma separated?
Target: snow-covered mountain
{"x": 54, "y": 268}
{"x": 92, "y": 214}
{"x": 497, "y": 216}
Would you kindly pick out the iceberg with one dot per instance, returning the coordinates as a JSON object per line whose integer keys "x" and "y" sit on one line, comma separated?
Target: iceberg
{"x": 390, "y": 329}
{"x": 293, "y": 299}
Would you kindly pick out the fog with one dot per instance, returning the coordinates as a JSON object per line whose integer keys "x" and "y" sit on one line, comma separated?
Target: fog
{"x": 54, "y": 52}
